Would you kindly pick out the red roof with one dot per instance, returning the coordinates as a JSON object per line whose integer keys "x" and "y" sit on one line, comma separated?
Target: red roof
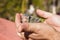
{"x": 8, "y": 30}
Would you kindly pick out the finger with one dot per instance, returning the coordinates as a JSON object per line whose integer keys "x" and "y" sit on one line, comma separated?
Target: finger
{"x": 37, "y": 36}
{"x": 37, "y": 27}
{"x": 18, "y": 24}
{"x": 21, "y": 35}
{"x": 43, "y": 14}
{"x": 18, "y": 19}
{"x": 32, "y": 27}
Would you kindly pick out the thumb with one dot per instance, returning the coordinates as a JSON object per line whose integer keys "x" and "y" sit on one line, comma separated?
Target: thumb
{"x": 43, "y": 14}
{"x": 30, "y": 27}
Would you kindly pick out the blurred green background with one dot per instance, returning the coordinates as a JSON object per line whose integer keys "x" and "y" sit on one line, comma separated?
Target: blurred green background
{"x": 8, "y": 8}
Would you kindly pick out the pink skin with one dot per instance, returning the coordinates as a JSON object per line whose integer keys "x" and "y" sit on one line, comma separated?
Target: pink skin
{"x": 51, "y": 19}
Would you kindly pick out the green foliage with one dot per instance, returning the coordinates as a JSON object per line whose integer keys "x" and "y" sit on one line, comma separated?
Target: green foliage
{"x": 8, "y": 8}
{"x": 38, "y": 4}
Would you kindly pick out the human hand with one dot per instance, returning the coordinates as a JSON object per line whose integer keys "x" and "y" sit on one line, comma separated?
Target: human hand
{"x": 40, "y": 31}
{"x": 51, "y": 19}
